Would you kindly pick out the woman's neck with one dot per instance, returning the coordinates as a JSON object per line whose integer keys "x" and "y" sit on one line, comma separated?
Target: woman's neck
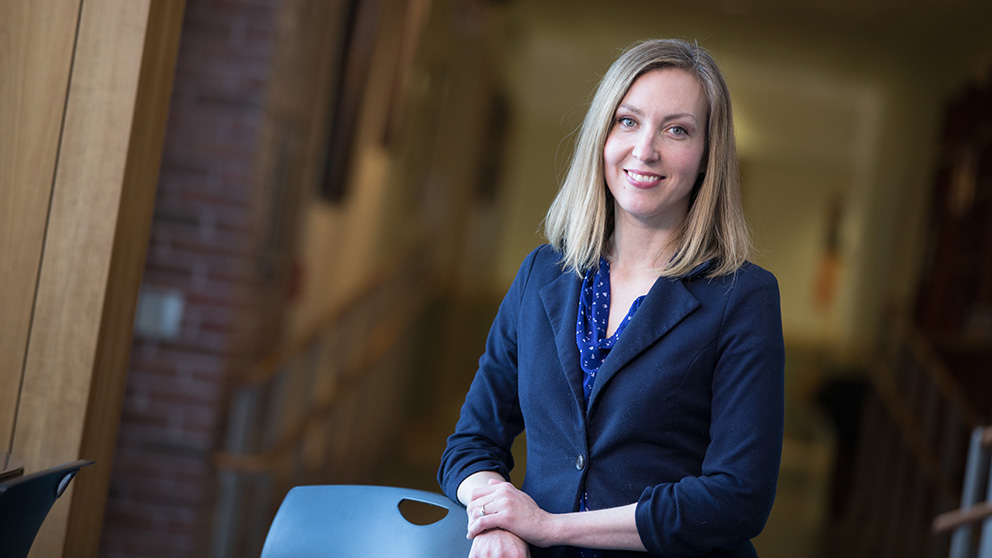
{"x": 634, "y": 263}
{"x": 639, "y": 251}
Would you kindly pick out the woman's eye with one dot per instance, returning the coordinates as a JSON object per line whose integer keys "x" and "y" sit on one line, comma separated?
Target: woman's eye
{"x": 679, "y": 131}
{"x": 626, "y": 121}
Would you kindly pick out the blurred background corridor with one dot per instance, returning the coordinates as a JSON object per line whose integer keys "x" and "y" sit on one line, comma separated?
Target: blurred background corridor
{"x": 347, "y": 187}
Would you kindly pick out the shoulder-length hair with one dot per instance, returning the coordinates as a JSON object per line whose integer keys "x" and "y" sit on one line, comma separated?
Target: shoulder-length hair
{"x": 580, "y": 220}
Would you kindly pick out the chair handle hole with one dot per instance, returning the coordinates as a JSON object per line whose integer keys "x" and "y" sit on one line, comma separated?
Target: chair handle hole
{"x": 64, "y": 483}
{"x": 421, "y": 513}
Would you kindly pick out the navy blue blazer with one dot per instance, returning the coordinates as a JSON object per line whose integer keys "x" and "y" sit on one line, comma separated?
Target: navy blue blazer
{"x": 685, "y": 417}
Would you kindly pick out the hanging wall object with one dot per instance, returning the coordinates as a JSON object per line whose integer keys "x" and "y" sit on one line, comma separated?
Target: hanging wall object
{"x": 352, "y": 68}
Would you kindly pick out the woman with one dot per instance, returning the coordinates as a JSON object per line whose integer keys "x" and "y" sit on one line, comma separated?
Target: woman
{"x": 640, "y": 350}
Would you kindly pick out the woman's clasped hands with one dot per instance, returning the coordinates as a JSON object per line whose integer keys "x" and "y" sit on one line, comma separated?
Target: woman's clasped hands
{"x": 502, "y": 520}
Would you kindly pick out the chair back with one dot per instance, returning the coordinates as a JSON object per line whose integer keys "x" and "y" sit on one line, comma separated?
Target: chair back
{"x": 352, "y": 521}
{"x": 25, "y": 502}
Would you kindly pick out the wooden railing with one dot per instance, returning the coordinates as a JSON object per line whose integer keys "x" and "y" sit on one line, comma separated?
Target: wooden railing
{"x": 326, "y": 407}
{"x": 915, "y": 428}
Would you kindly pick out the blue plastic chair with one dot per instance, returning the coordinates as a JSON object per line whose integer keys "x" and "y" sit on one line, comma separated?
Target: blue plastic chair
{"x": 25, "y": 502}
{"x": 349, "y": 521}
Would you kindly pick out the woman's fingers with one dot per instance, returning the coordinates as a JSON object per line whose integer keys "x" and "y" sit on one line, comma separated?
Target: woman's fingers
{"x": 509, "y": 509}
{"x": 482, "y": 519}
{"x": 484, "y": 500}
{"x": 505, "y": 508}
{"x": 478, "y": 508}
{"x": 492, "y": 487}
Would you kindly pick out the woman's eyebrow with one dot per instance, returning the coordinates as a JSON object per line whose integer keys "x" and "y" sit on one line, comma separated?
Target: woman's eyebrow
{"x": 629, "y": 108}
{"x": 680, "y": 115}
{"x": 667, "y": 118}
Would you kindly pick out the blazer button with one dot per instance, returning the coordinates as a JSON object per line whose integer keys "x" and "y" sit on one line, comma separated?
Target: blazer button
{"x": 580, "y": 462}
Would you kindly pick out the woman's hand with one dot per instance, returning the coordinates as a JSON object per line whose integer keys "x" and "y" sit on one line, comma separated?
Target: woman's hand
{"x": 500, "y": 505}
{"x": 500, "y": 516}
{"x": 499, "y": 544}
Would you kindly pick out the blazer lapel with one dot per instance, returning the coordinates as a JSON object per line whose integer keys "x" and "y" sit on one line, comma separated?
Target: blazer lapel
{"x": 666, "y": 304}
{"x": 561, "y": 302}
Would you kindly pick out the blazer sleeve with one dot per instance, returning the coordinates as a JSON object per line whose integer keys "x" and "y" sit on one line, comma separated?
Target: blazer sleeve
{"x": 728, "y": 503}
{"x": 490, "y": 417}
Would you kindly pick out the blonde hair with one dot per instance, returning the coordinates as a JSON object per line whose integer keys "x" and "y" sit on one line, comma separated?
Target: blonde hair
{"x": 580, "y": 220}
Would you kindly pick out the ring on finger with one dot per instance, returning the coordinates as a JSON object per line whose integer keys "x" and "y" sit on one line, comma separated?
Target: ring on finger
{"x": 482, "y": 510}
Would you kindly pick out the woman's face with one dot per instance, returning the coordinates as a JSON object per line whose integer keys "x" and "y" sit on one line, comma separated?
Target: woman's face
{"x": 654, "y": 151}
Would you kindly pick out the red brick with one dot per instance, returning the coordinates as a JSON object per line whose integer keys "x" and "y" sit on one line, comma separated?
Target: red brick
{"x": 205, "y": 244}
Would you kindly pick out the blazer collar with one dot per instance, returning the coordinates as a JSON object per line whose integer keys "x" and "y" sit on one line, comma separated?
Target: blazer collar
{"x": 666, "y": 304}
{"x": 561, "y": 302}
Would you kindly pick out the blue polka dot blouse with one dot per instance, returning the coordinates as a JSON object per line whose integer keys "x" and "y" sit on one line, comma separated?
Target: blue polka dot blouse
{"x": 594, "y": 314}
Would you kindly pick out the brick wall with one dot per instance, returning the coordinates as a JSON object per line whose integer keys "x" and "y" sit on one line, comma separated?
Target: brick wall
{"x": 202, "y": 259}
{"x": 240, "y": 172}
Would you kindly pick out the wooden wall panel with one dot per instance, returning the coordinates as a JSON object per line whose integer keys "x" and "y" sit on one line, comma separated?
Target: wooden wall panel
{"x": 75, "y": 246}
{"x": 71, "y": 285}
{"x": 36, "y": 46}
{"x": 134, "y": 217}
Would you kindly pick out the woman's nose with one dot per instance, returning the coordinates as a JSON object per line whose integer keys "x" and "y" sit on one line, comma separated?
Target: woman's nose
{"x": 645, "y": 149}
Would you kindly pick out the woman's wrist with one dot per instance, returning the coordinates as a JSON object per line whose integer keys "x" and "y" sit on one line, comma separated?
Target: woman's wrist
{"x": 554, "y": 530}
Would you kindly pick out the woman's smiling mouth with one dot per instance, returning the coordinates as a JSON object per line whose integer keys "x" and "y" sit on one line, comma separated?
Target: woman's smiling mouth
{"x": 641, "y": 180}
